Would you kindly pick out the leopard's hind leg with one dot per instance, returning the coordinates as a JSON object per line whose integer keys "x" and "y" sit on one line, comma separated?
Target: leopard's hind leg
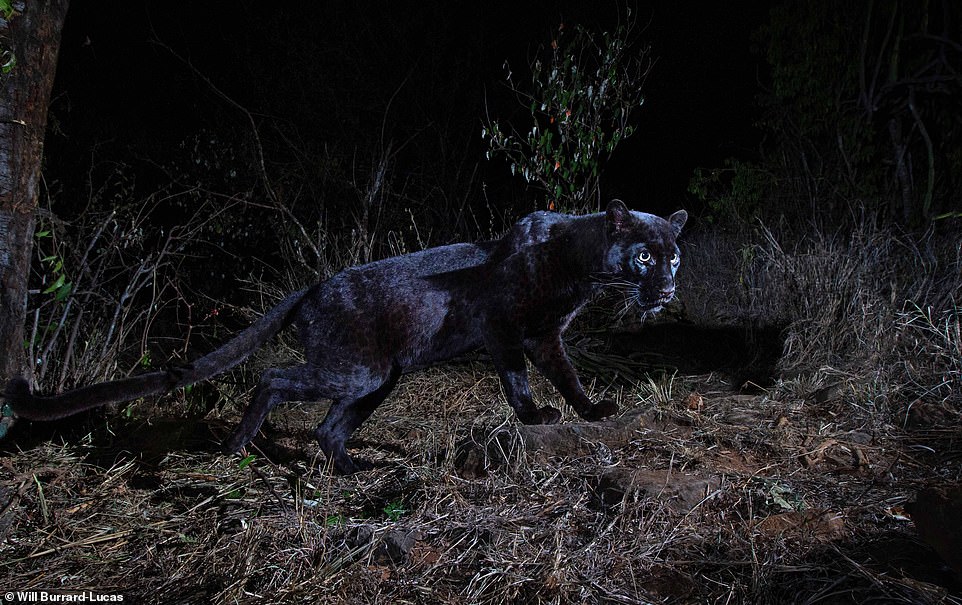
{"x": 346, "y": 414}
{"x": 300, "y": 383}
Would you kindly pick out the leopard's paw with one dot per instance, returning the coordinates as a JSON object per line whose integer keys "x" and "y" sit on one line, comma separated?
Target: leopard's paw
{"x": 549, "y": 415}
{"x": 602, "y": 409}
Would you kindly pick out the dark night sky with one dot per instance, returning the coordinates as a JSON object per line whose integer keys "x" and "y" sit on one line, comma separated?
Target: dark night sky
{"x": 332, "y": 68}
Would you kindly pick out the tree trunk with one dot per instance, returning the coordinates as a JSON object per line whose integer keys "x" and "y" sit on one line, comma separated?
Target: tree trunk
{"x": 33, "y": 35}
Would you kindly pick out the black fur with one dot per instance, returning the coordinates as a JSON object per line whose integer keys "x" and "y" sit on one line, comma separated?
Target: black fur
{"x": 364, "y": 327}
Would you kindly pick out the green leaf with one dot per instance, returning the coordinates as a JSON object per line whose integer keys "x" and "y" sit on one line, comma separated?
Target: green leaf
{"x": 394, "y": 510}
{"x": 63, "y": 292}
{"x": 56, "y": 285}
{"x": 246, "y": 461}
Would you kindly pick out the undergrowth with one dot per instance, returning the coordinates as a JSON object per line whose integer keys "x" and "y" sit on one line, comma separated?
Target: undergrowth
{"x": 866, "y": 301}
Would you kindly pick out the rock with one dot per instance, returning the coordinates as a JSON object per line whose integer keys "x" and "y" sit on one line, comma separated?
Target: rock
{"x": 680, "y": 491}
{"x": 831, "y": 392}
{"x": 937, "y": 514}
{"x": 359, "y": 536}
{"x": 485, "y": 448}
{"x": 923, "y": 415}
{"x": 822, "y": 525}
{"x": 859, "y": 437}
{"x": 394, "y": 547}
{"x": 576, "y": 438}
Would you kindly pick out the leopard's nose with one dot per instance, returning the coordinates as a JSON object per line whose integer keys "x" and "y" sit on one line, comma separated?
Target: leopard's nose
{"x": 667, "y": 293}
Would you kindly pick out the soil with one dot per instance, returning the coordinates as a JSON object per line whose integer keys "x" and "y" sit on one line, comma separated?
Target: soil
{"x": 696, "y": 492}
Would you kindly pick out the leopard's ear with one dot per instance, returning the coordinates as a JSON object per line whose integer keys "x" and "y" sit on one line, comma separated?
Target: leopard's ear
{"x": 677, "y": 221}
{"x": 617, "y": 216}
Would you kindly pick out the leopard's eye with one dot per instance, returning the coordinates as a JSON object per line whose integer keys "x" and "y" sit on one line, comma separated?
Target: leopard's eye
{"x": 675, "y": 259}
{"x": 644, "y": 256}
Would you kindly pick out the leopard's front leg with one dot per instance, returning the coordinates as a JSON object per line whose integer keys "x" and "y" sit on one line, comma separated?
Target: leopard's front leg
{"x": 550, "y": 357}
{"x": 507, "y": 353}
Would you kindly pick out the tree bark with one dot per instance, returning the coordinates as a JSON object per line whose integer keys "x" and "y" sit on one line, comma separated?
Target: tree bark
{"x": 33, "y": 34}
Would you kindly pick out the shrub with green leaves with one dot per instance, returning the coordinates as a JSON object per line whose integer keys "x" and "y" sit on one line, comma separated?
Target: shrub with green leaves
{"x": 739, "y": 190}
{"x": 584, "y": 91}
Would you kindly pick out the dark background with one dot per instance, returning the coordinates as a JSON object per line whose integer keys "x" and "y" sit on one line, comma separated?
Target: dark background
{"x": 421, "y": 75}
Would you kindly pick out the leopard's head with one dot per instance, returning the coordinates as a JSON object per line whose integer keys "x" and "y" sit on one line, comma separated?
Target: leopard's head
{"x": 642, "y": 255}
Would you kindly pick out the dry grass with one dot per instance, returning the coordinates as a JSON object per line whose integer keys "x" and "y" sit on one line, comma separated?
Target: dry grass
{"x": 864, "y": 303}
{"x": 706, "y": 497}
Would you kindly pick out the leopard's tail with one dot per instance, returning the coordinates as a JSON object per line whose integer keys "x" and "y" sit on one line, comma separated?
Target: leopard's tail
{"x": 30, "y": 406}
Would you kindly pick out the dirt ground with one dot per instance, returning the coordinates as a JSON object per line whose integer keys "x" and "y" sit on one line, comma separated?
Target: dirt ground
{"x": 695, "y": 493}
